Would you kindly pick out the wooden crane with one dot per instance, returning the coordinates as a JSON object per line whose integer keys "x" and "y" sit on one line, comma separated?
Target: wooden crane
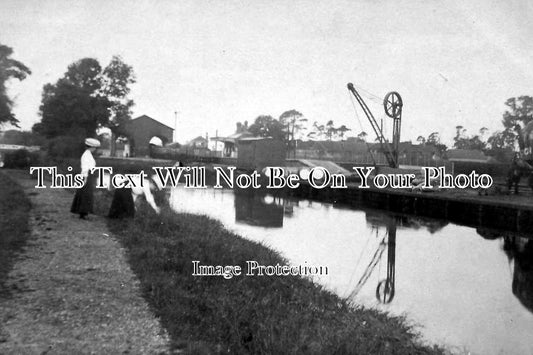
{"x": 393, "y": 108}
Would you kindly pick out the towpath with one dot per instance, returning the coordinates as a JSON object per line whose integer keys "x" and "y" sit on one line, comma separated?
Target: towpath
{"x": 73, "y": 291}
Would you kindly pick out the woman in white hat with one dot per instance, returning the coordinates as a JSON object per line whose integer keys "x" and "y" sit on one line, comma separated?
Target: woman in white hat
{"x": 83, "y": 200}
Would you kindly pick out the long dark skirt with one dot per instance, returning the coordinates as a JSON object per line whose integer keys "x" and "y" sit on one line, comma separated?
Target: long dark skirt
{"x": 84, "y": 197}
{"x": 122, "y": 205}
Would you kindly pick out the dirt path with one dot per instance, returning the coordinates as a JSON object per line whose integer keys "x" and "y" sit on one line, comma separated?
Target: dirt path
{"x": 74, "y": 291}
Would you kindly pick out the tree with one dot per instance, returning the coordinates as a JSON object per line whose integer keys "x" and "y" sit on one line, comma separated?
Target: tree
{"x": 460, "y": 132}
{"x": 331, "y": 131}
{"x": 421, "y": 140}
{"x": 74, "y": 106}
{"x": 362, "y": 136}
{"x": 497, "y": 140}
{"x": 293, "y": 122}
{"x": 472, "y": 143}
{"x": 116, "y": 80}
{"x": 85, "y": 75}
{"x": 9, "y": 69}
{"x": 501, "y": 144}
{"x": 342, "y": 131}
{"x": 520, "y": 112}
{"x": 267, "y": 126}
{"x": 516, "y": 117}
{"x": 434, "y": 140}
{"x": 464, "y": 141}
{"x": 318, "y": 131}
{"x": 87, "y": 98}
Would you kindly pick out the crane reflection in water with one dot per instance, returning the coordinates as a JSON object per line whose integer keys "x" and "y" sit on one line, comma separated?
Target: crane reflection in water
{"x": 384, "y": 228}
{"x": 517, "y": 247}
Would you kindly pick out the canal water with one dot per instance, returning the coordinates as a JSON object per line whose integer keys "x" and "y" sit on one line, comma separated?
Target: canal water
{"x": 469, "y": 290}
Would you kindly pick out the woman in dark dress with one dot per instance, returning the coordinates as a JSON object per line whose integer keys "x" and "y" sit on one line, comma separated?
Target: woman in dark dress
{"x": 83, "y": 199}
{"x": 123, "y": 203}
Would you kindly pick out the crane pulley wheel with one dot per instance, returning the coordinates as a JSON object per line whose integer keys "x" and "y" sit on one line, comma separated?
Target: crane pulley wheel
{"x": 385, "y": 291}
{"x": 393, "y": 105}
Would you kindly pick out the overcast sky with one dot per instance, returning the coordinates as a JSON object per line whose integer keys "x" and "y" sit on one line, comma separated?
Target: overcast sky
{"x": 219, "y": 62}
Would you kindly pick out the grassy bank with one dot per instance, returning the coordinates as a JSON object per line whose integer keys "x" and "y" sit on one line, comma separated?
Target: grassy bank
{"x": 267, "y": 315}
{"x": 14, "y": 229}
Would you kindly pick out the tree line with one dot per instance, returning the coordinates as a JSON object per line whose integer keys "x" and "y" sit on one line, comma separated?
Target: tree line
{"x": 292, "y": 126}
{"x": 517, "y": 125}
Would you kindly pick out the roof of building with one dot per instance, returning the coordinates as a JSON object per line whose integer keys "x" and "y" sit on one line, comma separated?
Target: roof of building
{"x": 233, "y": 137}
{"x": 132, "y": 121}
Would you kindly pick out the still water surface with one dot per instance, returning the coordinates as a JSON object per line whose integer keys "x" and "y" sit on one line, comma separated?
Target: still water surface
{"x": 469, "y": 292}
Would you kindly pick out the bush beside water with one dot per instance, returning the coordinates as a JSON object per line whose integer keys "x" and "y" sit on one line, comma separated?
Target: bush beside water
{"x": 21, "y": 159}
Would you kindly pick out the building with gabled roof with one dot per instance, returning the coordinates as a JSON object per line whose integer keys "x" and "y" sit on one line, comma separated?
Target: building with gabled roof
{"x": 141, "y": 130}
{"x": 230, "y": 142}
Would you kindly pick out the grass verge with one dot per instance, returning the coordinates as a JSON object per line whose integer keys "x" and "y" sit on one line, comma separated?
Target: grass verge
{"x": 245, "y": 314}
{"x": 14, "y": 228}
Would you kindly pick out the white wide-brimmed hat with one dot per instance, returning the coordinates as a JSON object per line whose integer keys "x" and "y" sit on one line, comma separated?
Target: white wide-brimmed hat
{"x": 91, "y": 142}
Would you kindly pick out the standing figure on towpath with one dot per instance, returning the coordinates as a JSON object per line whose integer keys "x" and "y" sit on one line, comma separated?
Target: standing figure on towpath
{"x": 84, "y": 197}
{"x": 518, "y": 168}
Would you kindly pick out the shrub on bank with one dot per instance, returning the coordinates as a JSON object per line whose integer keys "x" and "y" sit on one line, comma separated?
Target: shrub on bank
{"x": 21, "y": 159}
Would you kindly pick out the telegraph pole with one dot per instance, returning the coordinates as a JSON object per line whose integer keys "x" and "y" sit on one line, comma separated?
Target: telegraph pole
{"x": 216, "y": 141}
{"x": 175, "y": 126}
